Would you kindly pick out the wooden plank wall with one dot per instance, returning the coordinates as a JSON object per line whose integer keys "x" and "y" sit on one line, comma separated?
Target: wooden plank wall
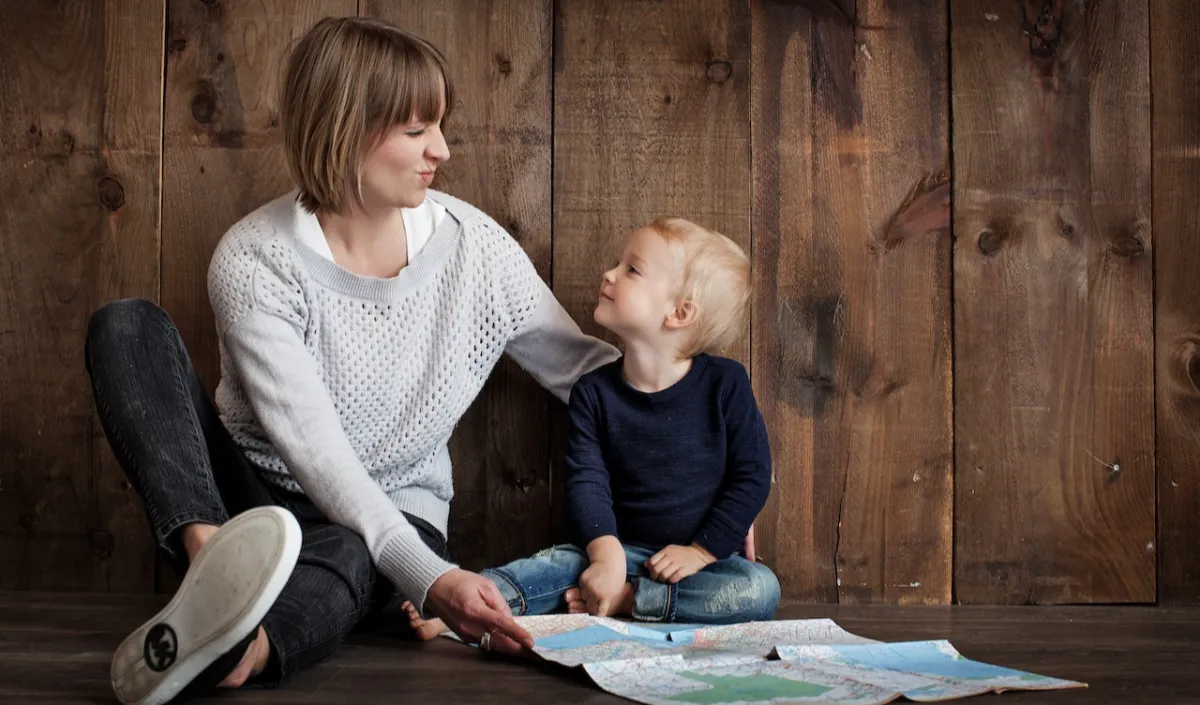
{"x": 80, "y": 166}
{"x": 1053, "y": 303}
{"x": 1175, "y": 84}
{"x": 961, "y": 400}
{"x": 852, "y": 322}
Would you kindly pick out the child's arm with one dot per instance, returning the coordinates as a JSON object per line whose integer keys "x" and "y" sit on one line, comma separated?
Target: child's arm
{"x": 743, "y": 493}
{"x": 589, "y": 504}
{"x": 747, "y": 474}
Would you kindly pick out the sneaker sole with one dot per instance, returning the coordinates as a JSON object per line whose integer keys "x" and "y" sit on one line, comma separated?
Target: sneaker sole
{"x": 224, "y": 595}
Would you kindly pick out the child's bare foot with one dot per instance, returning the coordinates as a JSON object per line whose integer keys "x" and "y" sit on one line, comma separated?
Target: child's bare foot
{"x": 575, "y": 603}
{"x": 425, "y": 629}
{"x": 622, "y": 606}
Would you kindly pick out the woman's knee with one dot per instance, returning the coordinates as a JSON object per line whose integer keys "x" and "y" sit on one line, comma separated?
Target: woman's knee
{"x": 124, "y": 320}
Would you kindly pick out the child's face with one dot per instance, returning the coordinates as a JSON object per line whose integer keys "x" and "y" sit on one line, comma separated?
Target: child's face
{"x": 638, "y": 294}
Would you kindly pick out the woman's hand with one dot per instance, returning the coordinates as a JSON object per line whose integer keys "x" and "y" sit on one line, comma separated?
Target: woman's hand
{"x": 674, "y": 563}
{"x": 471, "y": 606}
{"x": 601, "y": 585}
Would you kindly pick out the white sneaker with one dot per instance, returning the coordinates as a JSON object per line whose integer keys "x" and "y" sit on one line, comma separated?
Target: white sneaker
{"x": 225, "y": 594}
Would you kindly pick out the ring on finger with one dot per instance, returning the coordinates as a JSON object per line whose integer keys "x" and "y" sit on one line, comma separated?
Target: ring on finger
{"x": 485, "y": 642}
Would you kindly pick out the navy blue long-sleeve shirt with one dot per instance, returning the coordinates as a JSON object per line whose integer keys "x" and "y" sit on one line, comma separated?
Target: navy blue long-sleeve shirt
{"x": 690, "y": 463}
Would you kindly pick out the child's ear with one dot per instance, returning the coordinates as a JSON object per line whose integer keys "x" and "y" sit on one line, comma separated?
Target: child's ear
{"x": 684, "y": 315}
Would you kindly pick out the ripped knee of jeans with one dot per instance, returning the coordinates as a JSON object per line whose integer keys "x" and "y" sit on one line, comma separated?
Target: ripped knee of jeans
{"x": 751, "y": 596}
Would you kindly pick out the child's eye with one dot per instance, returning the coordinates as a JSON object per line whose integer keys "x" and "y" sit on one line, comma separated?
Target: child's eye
{"x": 416, "y": 133}
{"x": 633, "y": 270}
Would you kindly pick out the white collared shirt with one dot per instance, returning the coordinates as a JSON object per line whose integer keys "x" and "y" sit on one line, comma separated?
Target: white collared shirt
{"x": 419, "y": 225}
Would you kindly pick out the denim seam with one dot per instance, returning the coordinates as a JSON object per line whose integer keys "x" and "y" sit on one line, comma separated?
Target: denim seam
{"x": 520, "y": 593}
{"x": 214, "y": 517}
{"x": 668, "y": 614}
{"x": 198, "y": 446}
{"x": 105, "y": 409}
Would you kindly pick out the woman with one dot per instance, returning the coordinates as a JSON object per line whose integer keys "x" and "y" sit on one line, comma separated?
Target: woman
{"x": 358, "y": 317}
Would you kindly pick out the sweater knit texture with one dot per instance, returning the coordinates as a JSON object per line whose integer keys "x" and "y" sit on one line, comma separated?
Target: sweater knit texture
{"x": 347, "y": 388}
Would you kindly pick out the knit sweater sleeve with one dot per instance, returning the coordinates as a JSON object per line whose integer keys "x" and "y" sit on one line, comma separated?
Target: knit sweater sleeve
{"x": 261, "y": 311}
{"x": 549, "y": 344}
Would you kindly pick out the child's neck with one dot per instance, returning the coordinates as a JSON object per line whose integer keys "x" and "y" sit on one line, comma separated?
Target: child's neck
{"x": 650, "y": 370}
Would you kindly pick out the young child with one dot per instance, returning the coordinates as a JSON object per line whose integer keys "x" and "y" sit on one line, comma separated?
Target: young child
{"x": 667, "y": 461}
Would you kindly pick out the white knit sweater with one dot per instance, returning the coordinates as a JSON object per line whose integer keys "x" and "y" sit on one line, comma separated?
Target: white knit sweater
{"x": 348, "y": 387}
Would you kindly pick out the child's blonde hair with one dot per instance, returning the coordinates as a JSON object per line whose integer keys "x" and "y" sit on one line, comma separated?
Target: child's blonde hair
{"x": 347, "y": 82}
{"x": 716, "y": 278}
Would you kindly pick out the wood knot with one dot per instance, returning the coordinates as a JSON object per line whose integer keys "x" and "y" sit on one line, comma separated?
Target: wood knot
{"x": 27, "y": 520}
{"x": 112, "y": 194}
{"x": 101, "y": 543}
{"x": 990, "y": 241}
{"x": 1066, "y": 228}
{"x": 1130, "y": 246}
{"x": 719, "y": 71}
{"x": 514, "y": 228}
{"x": 204, "y": 105}
{"x": 176, "y": 45}
{"x": 503, "y": 64}
{"x": 667, "y": 99}
{"x": 524, "y": 485}
{"x": 1045, "y": 34}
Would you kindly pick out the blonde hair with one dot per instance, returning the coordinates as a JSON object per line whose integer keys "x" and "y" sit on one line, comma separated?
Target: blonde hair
{"x": 716, "y": 278}
{"x": 347, "y": 82}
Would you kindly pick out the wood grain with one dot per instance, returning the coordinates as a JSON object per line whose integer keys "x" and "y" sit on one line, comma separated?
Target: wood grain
{"x": 651, "y": 106}
{"x": 852, "y": 289}
{"x": 499, "y": 137}
{"x": 1174, "y": 26}
{"x": 1053, "y": 303}
{"x": 79, "y": 167}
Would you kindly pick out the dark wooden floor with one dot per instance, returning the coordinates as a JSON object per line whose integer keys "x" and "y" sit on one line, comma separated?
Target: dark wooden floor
{"x": 56, "y": 649}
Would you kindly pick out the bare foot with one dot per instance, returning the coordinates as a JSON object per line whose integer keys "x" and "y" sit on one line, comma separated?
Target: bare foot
{"x": 575, "y": 603}
{"x": 194, "y": 537}
{"x": 622, "y": 606}
{"x": 426, "y": 629}
{"x": 253, "y": 662}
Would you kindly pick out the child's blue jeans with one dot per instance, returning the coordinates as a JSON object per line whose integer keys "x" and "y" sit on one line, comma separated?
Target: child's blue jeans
{"x": 725, "y": 592}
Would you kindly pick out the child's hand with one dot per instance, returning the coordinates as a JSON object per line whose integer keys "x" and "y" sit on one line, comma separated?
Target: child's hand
{"x": 601, "y": 585}
{"x": 748, "y": 550}
{"x": 674, "y": 563}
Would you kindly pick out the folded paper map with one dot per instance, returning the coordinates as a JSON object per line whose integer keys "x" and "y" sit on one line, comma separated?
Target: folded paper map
{"x": 800, "y": 661}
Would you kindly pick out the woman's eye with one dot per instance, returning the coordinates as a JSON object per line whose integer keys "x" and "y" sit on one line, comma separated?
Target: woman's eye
{"x": 416, "y": 133}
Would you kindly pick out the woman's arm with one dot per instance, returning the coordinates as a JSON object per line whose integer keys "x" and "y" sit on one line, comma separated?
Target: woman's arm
{"x": 289, "y": 400}
{"x": 553, "y": 349}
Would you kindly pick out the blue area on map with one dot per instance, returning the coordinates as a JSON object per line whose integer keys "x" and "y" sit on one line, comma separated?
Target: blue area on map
{"x": 922, "y": 657}
{"x": 658, "y": 636}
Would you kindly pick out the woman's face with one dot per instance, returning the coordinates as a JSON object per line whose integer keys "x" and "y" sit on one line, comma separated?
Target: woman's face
{"x": 401, "y": 168}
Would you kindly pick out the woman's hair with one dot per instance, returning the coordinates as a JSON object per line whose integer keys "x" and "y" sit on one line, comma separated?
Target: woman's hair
{"x": 347, "y": 82}
{"x": 716, "y": 278}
